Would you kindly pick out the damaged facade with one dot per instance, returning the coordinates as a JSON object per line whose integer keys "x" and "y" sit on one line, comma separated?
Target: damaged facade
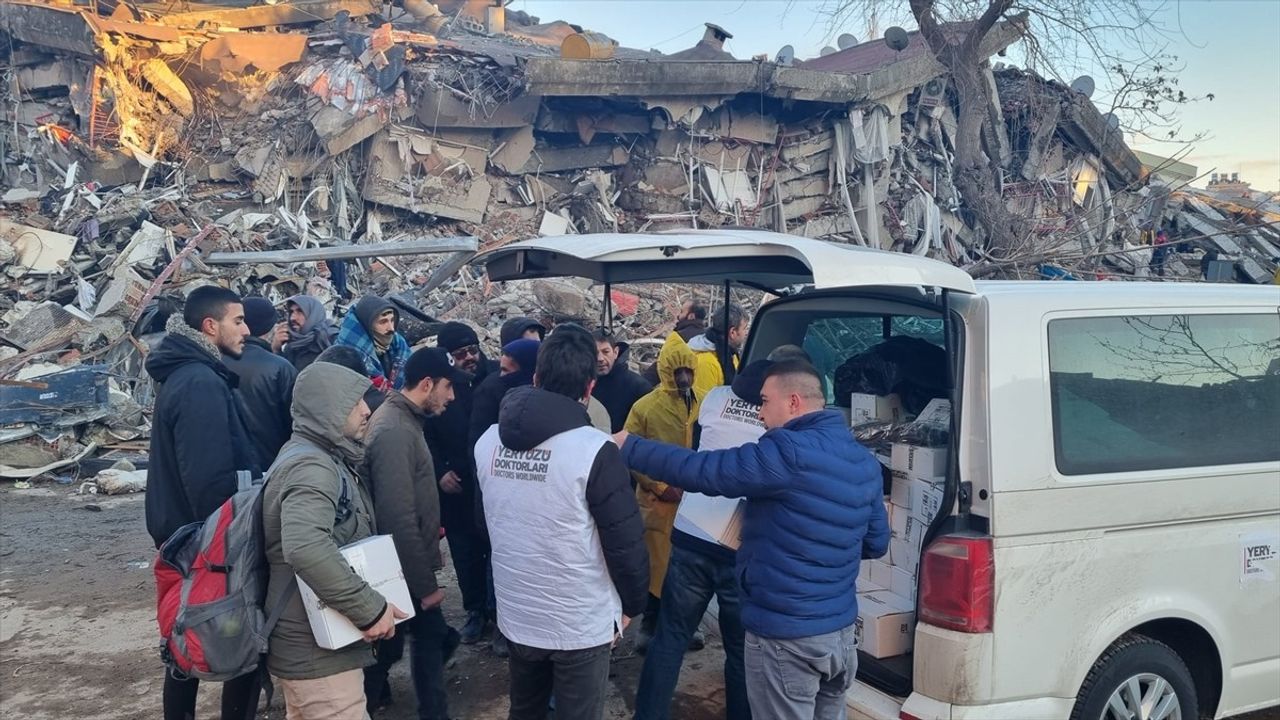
{"x": 317, "y": 146}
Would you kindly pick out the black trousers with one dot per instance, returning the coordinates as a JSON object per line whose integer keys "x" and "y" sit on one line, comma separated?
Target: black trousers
{"x": 239, "y": 697}
{"x": 427, "y": 654}
{"x": 469, "y": 548}
{"x": 579, "y": 679}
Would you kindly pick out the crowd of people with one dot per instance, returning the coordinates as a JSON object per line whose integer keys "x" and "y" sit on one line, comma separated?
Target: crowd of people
{"x": 562, "y": 481}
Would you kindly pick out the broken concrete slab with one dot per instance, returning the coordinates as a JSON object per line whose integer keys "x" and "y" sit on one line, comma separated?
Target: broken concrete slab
{"x": 340, "y": 131}
{"x": 559, "y": 159}
{"x": 268, "y": 52}
{"x": 514, "y": 149}
{"x": 39, "y": 252}
{"x": 440, "y": 107}
{"x": 292, "y": 13}
{"x": 169, "y": 85}
{"x": 49, "y": 322}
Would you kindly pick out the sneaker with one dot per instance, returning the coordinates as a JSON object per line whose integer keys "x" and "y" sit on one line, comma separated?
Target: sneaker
{"x": 698, "y": 641}
{"x": 499, "y": 644}
{"x": 473, "y": 629}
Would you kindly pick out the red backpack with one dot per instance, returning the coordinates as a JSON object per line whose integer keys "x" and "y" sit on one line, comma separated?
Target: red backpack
{"x": 211, "y": 585}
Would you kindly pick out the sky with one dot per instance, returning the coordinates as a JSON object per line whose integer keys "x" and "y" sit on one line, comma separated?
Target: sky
{"x": 1230, "y": 48}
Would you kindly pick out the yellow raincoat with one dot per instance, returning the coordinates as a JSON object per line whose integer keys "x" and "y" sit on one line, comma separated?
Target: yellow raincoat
{"x": 709, "y": 374}
{"x": 664, "y": 416}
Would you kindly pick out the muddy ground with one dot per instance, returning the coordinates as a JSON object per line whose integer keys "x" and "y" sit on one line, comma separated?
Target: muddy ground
{"x": 78, "y": 636}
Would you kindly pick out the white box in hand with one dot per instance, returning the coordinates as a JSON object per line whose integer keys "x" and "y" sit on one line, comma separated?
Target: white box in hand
{"x": 374, "y": 559}
{"x": 717, "y": 519}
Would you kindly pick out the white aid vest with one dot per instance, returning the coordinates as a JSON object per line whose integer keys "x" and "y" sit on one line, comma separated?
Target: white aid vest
{"x": 549, "y": 574}
{"x": 727, "y": 421}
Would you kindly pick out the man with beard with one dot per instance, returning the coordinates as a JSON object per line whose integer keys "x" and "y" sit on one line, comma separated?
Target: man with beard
{"x": 306, "y": 334}
{"x": 370, "y": 328}
{"x": 200, "y": 450}
{"x": 447, "y": 436}
{"x": 723, "y": 338}
{"x": 515, "y": 370}
{"x": 618, "y": 387}
{"x": 406, "y": 504}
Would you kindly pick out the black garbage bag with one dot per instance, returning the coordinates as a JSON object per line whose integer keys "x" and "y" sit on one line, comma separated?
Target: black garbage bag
{"x": 915, "y": 369}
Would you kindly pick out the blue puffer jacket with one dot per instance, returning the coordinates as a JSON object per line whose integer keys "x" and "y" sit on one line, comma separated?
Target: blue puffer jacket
{"x": 815, "y": 509}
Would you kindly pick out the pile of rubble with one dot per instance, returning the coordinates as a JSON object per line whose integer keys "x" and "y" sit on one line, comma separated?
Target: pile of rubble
{"x": 337, "y": 147}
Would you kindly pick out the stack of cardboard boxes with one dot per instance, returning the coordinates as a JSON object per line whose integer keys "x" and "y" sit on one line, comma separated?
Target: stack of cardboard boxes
{"x": 887, "y": 586}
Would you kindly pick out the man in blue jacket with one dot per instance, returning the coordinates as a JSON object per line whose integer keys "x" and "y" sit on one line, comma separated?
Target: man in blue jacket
{"x": 815, "y": 509}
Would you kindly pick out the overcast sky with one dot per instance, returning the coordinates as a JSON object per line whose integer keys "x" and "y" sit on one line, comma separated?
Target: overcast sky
{"x": 1231, "y": 48}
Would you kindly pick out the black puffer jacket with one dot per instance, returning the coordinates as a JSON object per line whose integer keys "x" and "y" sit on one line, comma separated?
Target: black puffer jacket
{"x": 450, "y": 444}
{"x": 266, "y": 387}
{"x": 198, "y": 435}
{"x": 620, "y": 389}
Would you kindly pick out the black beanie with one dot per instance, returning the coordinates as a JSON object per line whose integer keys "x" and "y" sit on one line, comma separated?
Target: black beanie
{"x": 259, "y": 315}
{"x": 456, "y": 335}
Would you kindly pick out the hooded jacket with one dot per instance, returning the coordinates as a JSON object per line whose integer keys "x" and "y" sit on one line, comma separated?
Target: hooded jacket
{"x": 384, "y": 367}
{"x": 663, "y": 415}
{"x": 710, "y": 374}
{"x": 316, "y": 335}
{"x": 302, "y": 532}
{"x": 515, "y": 328}
{"x": 198, "y": 437}
{"x": 402, "y": 481}
{"x": 814, "y": 511}
{"x": 688, "y": 329}
{"x": 568, "y": 553}
{"x": 620, "y": 389}
{"x": 266, "y": 388}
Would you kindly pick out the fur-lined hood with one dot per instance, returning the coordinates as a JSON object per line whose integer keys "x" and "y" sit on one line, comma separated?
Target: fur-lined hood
{"x": 183, "y": 345}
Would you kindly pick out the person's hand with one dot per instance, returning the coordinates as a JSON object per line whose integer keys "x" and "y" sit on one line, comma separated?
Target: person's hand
{"x": 386, "y": 626}
{"x": 433, "y": 600}
{"x": 279, "y": 337}
{"x": 672, "y": 494}
{"x": 622, "y": 630}
{"x": 620, "y": 437}
{"x": 451, "y": 483}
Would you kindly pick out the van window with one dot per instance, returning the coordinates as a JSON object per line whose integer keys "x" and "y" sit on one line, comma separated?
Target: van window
{"x": 1164, "y": 391}
{"x": 832, "y": 340}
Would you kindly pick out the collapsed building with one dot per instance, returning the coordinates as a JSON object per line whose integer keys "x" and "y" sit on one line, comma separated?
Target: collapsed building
{"x": 323, "y": 146}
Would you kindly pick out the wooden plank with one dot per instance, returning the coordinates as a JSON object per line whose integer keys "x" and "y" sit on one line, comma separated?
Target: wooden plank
{"x": 347, "y": 252}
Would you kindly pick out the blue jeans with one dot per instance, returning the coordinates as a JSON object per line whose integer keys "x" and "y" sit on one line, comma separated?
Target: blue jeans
{"x": 692, "y": 579}
{"x": 802, "y": 678}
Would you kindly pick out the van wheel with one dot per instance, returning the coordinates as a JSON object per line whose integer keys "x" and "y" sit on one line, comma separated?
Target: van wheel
{"x": 1138, "y": 678}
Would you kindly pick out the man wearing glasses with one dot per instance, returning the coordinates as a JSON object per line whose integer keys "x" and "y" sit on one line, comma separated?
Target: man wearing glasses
{"x": 455, "y": 471}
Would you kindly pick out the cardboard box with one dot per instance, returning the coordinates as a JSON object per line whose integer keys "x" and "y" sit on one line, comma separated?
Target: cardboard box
{"x": 885, "y": 625}
{"x": 716, "y": 519}
{"x": 915, "y": 461}
{"x": 864, "y": 584}
{"x": 881, "y": 574}
{"x": 375, "y": 560}
{"x": 864, "y": 408}
{"x": 922, "y": 497}
{"x": 904, "y": 555}
{"x": 903, "y": 584}
{"x": 905, "y": 526}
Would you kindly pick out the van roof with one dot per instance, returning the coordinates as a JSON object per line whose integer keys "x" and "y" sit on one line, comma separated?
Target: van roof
{"x": 1051, "y": 295}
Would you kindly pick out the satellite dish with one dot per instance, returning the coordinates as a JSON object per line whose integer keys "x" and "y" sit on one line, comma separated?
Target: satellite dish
{"x": 1113, "y": 122}
{"x": 846, "y": 41}
{"x": 786, "y": 56}
{"x": 826, "y": 51}
{"x": 896, "y": 38}
{"x": 1083, "y": 85}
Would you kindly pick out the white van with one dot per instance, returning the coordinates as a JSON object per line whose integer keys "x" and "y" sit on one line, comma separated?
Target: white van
{"x": 1108, "y": 542}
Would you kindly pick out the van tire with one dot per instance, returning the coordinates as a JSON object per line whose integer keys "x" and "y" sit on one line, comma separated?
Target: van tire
{"x": 1132, "y": 655}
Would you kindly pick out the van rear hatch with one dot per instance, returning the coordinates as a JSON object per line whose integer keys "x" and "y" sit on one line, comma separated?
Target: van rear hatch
{"x": 779, "y": 264}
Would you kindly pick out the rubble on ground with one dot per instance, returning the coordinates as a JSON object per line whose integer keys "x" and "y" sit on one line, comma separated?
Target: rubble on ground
{"x": 319, "y": 146}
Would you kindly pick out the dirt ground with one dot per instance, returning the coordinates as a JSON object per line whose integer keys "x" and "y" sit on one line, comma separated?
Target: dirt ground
{"x": 78, "y": 636}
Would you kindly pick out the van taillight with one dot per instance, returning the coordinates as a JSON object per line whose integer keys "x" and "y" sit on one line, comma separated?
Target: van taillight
{"x": 957, "y": 583}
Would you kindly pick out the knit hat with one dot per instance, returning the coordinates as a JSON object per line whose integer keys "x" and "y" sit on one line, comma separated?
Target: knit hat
{"x": 259, "y": 315}
{"x": 750, "y": 380}
{"x": 456, "y": 335}
{"x": 516, "y": 327}
{"x": 524, "y": 351}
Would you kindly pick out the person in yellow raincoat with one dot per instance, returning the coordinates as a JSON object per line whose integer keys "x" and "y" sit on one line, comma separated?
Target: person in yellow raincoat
{"x": 667, "y": 414}
{"x": 707, "y": 346}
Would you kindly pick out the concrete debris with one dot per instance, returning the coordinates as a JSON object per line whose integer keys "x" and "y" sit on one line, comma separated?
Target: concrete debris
{"x": 321, "y": 147}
